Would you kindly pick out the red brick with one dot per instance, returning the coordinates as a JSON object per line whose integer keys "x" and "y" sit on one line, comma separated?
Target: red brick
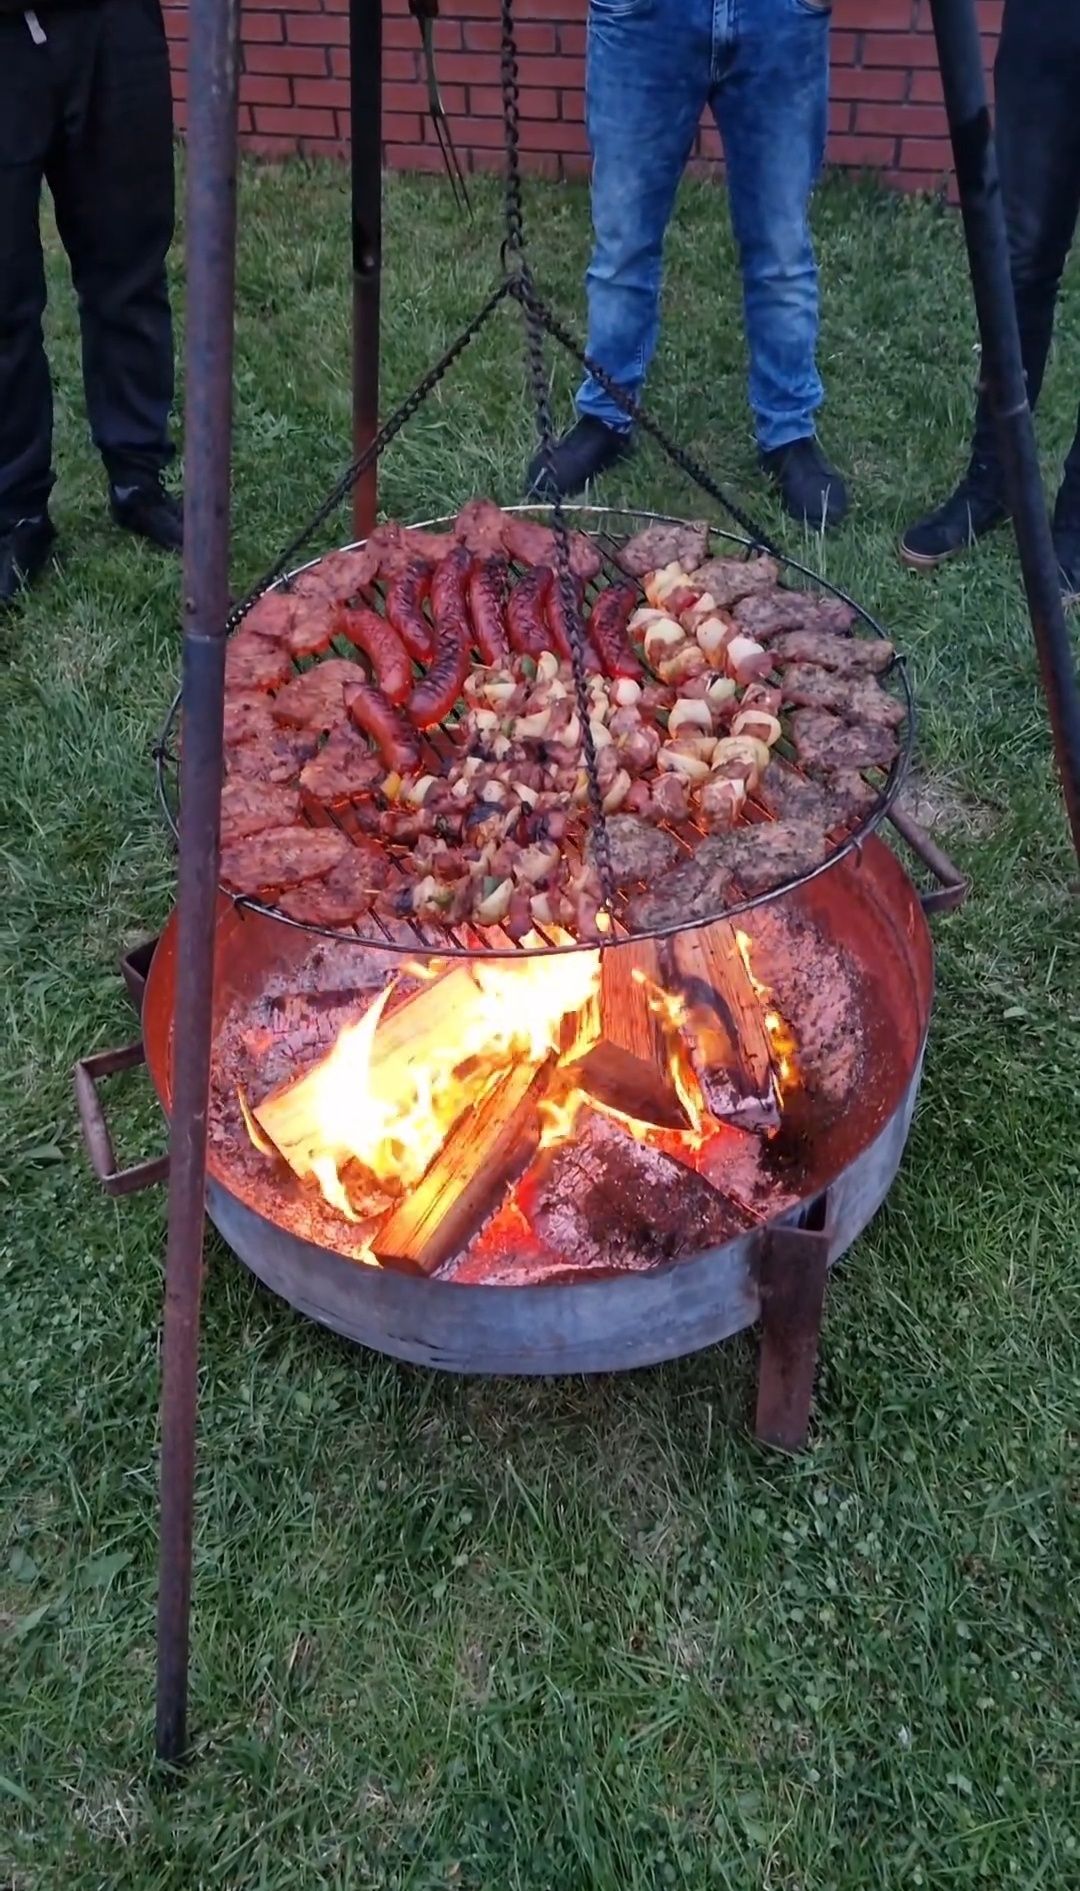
{"x": 572, "y": 39}
{"x": 536, "y": 136}
{"x": 319, "y": 29}
{"x": 572, "y": 106}
{"x": 396, "y": 65}
{"x": 259, "y": 89}
{"x": 294, "y": 122}
{"x": 885, "y": 15}
{"x": 243, "y": 120}
{"x": 261, "y": 146}
{"x": 925, "y": 88}
{"x": 543, "y": 164}
{"x": 329, "y": 92}
{"x": 260, "y": 29}
{"x": 916, "y": 121}
{"x": 842, "y": 48}
{"x": 485, "y": 101}
{"x": 899, "y": 49}
{"x": 482, "y": 38}
{"x": 870, "y": 82}
{"x": 840, "y": 111}
{"x": 303, "y": 61}
{"x": 860, "y": 152}
{"x": 926, "y": 154}
{"x": 336, "y": 148}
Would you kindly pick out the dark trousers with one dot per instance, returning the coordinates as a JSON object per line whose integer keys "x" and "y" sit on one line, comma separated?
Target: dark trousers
{"x": 1037, "y": 125}
{"x": 89, "y": 112}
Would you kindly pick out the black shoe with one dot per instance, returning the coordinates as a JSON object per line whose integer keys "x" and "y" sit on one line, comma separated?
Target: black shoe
{"x": 974, "y": 509}
{"x": 581, "y": 455}
{"x": 810, "y": 489}
{"x": 152, "y": 513}
{"x": 24, "y": 554}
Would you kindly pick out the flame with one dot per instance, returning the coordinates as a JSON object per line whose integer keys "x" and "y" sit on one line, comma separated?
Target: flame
{"x": 391, "y": 1112}
{"x": 781, "y": 1036}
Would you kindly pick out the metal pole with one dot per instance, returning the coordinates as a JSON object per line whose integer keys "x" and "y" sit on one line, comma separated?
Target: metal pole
{"x": 365, "y": 107}
{"x": 960, "y": 57}
{"x": 211, "y": 255}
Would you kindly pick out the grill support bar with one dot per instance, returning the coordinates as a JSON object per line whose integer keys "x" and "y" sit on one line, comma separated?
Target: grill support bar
{"x": 211, "y": 260}
{"x": 960, "y": 58}
{"x": 365, "y": 147}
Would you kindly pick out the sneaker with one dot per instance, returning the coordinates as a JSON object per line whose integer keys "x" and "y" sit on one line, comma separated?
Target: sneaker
{"x": 581, "y": 455}
{"x": 974, "y": 509}
{"x": 146, "y": 509}
{"x": 24, "y": 554}
{"x": 810, "y": 489}
{"x": 1067, "y": 542}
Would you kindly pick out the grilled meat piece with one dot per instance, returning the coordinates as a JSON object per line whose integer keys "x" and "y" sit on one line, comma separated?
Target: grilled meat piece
{"x": 639, "y": 853}
{"x": 698, "y": 886}
{"x": 764, "y": 855}
{"x": 479, "y": 527}
{"x": 316, "y": 700}
{"x": 341, "y": 895}
{"x": 276, "y": 757}
{"x": 823, "y": 741}
{"x": 848, "y": 656}
{"x": 660, "y": 544}
{"x": 253, "y": 662}
{"x": 531, "y": 544}
{"x": 271, "y": 615}
{"x": 728, "y": 579}
{"x": 856, "y": 699}
{"x": 247, "y": 715}
{"x": 345, "y": 766}
{"x": 249, "y": 807}
{"x": 340, "y": 575}
{"x": 281, "y": 857}
{"x": 770, "y": 611}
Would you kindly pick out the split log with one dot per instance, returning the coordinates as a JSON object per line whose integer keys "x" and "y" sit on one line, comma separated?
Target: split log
{"x": 629, "y": 1066}
{"x": 487, "y": 1149}
{"x": 605, "y": 1202}
{"x": 729, "y": 1043}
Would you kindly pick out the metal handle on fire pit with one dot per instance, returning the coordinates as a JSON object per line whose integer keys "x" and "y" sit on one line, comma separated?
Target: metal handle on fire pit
{"x": 88, "y": 1073}
{"x": 953, "y": 886}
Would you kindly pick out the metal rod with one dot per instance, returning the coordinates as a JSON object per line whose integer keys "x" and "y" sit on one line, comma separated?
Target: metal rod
{"x": 211, "y": 256}
{"x": 964, "y": 84}
{"x": 365, "y": 108}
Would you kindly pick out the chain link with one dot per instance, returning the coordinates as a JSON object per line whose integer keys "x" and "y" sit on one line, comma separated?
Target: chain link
{"x": 387, "y": 432}
{"x": 522, "y": 286}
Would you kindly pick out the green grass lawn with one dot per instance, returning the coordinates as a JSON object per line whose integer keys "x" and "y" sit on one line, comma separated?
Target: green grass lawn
{"x": 567, "y": 1636}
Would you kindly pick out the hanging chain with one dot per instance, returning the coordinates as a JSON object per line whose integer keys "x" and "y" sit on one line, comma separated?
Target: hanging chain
{"x": 522, "y": 286}
{"x": 387, "y": 432}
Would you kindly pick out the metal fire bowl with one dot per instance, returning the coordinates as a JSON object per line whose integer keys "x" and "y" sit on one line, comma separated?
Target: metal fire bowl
{"x": 865, "y": 904}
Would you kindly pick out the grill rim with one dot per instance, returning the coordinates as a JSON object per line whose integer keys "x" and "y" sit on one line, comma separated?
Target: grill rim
{"x": 453, "y": 944}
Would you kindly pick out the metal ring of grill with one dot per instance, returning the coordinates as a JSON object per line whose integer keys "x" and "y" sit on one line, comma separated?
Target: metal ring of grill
{"x": 465, "y": 940}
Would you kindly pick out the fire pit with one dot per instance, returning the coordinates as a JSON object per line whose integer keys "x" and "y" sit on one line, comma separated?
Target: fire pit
{"x": 557, "y": 1155}
{"x": 575, "y": 1213}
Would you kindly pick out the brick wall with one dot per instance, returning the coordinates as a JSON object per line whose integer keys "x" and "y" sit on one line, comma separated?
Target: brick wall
{"x": 885, "y": 112}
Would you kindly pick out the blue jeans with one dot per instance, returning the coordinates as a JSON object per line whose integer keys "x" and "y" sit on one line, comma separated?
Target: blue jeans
{"x": 762, "y": 67}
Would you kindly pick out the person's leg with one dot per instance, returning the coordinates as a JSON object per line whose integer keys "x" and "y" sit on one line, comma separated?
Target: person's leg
{"x": 771, "y": 105}
{"x": 647, "y": 82}
{"x": 26, "y": 111}
{"x": 112, "y": 183}
{"x": 1037, "y": 134}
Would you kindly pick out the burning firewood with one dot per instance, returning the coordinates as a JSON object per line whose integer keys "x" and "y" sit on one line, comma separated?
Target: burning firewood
{"x": 726, "y": 1027}
{"x": 485, "y": 1151}
{"x": 629, "y": 1067}
{"x": 607, "y": 1201}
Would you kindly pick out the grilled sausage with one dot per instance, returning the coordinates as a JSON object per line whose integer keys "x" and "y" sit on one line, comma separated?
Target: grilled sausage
{"x": 405, "y": 609}
{"x": 384, "y": 723}
{"x": 525, "y": 619}
{"x": 487, "y": 590}
{"x": 382, "y": 646}
{"x": 607, "y": 630}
